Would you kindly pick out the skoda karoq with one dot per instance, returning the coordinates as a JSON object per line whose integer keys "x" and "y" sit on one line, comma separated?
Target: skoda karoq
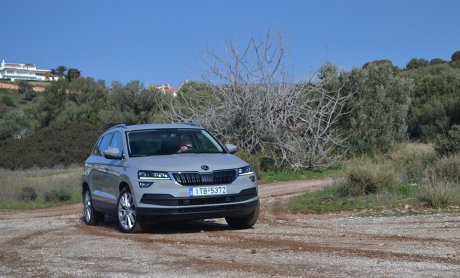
{"x": 143, "y": 174}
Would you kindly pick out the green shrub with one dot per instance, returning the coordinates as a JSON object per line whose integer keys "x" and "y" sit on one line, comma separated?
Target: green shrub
{"x": 60, "y": 194}
{"x": 28, "y": 193}
{"x": 3, "y": 109}
{"x": 8, "y": 101}
{"x": 448, "y": 168}
{"x": 63, "y": 144}
{"x": 29, "y": 95}
{"x": 449, "y": 144}
{"x": 412, "y": 159}
{"x": 364, "y": 177}
{"x": 434, "y": 100}
{"x": 376, "y": 116}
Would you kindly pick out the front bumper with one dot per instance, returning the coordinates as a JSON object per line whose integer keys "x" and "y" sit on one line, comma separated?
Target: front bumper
{"x": 155, "y": 215}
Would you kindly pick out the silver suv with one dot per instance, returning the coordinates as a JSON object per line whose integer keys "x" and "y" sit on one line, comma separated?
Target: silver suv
{"x": 143, "y": 174}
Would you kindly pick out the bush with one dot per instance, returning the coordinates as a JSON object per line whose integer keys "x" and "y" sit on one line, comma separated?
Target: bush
{"x": 449, "y": 144}
{"x": 448, "y": 168}
{"x": 26, "y": 90}
{"x": 378, "y": 109}
{"x": 60, "y": 194}
{"x": 435, "y": 100}
{"x": 364, "y": 177}
{"x": 8, "y": 101}
{"x": 412, "y": 159}
{"x": 63, "y": 144}
{"x": 3, "y": 109}
{"x": 29, "y": 95}
{"x": 28, "y": 193}
{"x": 437, "y": 194}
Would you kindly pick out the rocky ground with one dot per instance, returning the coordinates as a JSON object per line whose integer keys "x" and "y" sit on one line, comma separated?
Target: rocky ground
{"x": 56, "y": 243}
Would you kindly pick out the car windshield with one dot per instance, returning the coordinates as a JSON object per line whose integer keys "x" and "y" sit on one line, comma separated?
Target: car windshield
{"x": 171, "y": 141}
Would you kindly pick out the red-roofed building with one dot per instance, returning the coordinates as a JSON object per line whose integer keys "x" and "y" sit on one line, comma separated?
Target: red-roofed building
{"x": 167, "y": 89}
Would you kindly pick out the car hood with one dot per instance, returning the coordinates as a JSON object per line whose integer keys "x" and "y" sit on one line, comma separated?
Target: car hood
{"x": 187, "y": 162}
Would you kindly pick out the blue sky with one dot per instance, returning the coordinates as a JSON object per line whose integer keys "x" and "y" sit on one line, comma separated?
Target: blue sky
{"x": 162, "y": 41}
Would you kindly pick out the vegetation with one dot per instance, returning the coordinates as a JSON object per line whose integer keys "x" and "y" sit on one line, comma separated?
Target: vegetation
{"x": 435, "y": 100}
{"x": 382, "y": 183}
{"x": 286, "y": 129}
{"x": 251, "y": 102}
{"x": 39, "y": 188}
{"x": 449, "y": 144}
{"x": 330, "y": 200}
{"x": 377, "y": 113}
{"x": 60, "y": 144}
{"x": 287, "y": 175}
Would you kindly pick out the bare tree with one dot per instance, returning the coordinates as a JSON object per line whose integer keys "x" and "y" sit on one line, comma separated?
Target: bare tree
{"x": 251, "y": 103}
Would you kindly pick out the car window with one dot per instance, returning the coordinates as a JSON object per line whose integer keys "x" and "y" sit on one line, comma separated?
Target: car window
{"x": 206, "y": 142}
{"x": 171, "y": 141}
{"x": 105, "y": 143}
{"x": 117, "y": 142}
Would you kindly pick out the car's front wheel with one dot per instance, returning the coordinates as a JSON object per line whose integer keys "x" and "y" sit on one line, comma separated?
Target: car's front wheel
{"x": 90, "y": 216}
{"x": 126, "y": 210}
{"x": 244, "y": 222}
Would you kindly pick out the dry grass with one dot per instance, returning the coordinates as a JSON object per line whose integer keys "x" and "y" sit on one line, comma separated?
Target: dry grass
{"x": 448, "y": 168}
{"x": 412, "y": 159}
{"x": 363, "y": 177}
{"x": 43, "y": 181}
{"x": 439, "y": 194}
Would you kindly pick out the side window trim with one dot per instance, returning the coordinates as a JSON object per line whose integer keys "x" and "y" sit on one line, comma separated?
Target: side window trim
{"x": 95, "y": 150}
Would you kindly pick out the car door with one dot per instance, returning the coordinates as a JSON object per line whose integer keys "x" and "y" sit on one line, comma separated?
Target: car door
{"x": 114, "y": 170}
{"x": 97, "y": 176}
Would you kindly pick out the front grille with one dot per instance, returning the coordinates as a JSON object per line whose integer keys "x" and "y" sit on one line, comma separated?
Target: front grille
{"x": 216, "y": 177}
{"x": 169, "y": 200}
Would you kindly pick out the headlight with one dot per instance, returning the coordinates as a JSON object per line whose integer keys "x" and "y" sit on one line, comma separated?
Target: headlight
{"x": 244, "y": 171}
{"x": 153, "y": 175}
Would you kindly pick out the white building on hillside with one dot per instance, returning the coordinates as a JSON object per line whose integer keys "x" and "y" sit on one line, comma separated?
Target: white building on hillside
{"x": 15, "y": 71}
{"x": 167, "y": 89}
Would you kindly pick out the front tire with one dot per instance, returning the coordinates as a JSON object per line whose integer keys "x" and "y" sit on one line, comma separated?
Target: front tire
{"x": 244, "y": 222}
{"x": 90, "y": 216}
{"x": 126, "y": 213}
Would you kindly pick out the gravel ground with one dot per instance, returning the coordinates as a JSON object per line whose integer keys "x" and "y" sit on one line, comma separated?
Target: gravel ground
{"x": 56, "y": 243}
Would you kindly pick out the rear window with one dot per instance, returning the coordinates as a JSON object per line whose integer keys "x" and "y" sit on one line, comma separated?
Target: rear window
{"x": 171, "y": 141}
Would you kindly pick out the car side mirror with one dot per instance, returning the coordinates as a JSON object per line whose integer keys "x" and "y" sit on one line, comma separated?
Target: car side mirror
{"x": 231, "y": 148}
{"x": 113, "y": 153}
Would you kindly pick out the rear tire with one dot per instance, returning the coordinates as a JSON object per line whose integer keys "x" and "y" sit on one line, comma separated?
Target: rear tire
{"x": 244, "y": 222}
{"x": 127, "y": 213}
{"x": 90, "y": 216}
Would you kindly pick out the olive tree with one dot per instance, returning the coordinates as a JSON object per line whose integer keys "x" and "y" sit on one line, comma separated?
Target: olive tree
{"x": 378, "y": 111}
{"x": 129, "y": 103}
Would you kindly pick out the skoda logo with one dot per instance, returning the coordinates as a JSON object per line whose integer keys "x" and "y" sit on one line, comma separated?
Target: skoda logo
{"x": 205, "y": 167}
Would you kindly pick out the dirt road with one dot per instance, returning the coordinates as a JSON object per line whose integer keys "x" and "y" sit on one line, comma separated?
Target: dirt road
{"x": 56, "y": 243}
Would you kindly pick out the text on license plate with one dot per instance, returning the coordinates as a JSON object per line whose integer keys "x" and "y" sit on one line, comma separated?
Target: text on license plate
{"x": 206, "y": 191}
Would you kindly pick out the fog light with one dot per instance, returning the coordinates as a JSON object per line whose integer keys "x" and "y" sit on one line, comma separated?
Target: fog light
{"x": 145, "y": 184}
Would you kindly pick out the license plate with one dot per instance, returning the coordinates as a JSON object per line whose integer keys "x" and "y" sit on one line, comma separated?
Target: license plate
{"x": 207, "y": 190}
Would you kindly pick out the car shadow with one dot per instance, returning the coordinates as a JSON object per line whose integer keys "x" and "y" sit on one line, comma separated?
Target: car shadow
{"x": 183, "y": 227}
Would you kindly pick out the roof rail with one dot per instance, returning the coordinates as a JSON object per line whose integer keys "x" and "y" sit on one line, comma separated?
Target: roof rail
{"x": 190, "y": 123}
{"x": 119, "y": 125}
